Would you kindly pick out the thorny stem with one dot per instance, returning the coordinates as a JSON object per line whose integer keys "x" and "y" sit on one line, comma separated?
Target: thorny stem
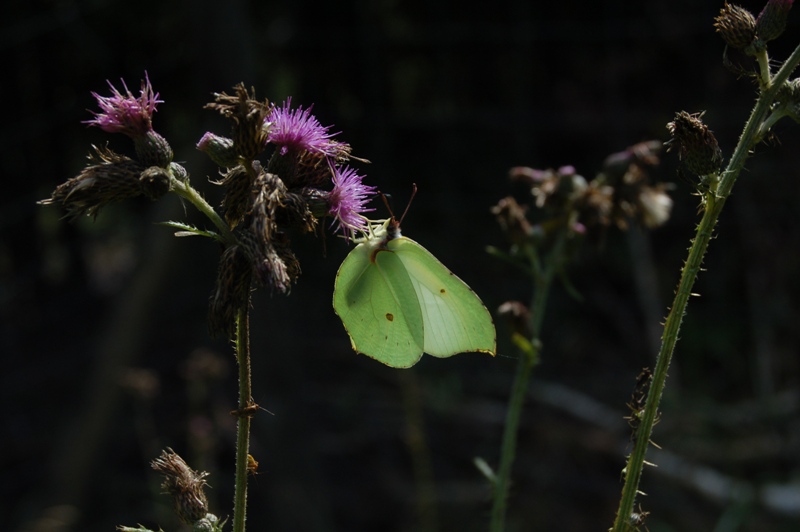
{"x": 543, "y": 279}
{"x": 715, "y": 201}
{"x": 763, "y": 66}
{"x": 243, "y": 429}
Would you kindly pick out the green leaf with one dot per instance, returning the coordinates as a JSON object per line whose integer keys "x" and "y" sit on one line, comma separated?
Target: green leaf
{"x": 190, "y": 230}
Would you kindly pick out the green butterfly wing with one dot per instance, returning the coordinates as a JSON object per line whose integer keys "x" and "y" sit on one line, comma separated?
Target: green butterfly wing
{"x": 454, "y": 318}
{"x": 378, "y": 306}
{"x": 397, "y": 301}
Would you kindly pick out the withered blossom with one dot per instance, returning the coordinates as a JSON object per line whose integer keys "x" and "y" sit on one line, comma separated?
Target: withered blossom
{"x": 518, "y": 317}
{"x": 111, "y": 177}
{"x": 248, "y": 114}
{"x": 184, "y": 485}
{"x": 562, "y": 200}
{"x": 696, "y": 145}
{"x": 736, "y": 25}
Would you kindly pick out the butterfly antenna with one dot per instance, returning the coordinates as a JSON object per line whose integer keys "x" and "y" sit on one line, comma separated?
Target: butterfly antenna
{"x": 387, "y": 198}
{"x": 413, "y": 193}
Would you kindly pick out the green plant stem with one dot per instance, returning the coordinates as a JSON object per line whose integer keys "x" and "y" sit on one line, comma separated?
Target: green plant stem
{"x": 713, "y": 208}
{"x": 186, "y": 191}
{"x": 763, "y": 65}
{"x": 244, "y": 416}
{"x": 543, "y": 281}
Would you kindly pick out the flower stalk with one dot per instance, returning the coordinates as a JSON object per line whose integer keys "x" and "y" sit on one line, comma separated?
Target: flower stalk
{"x": 244, "y": 414}
{"x": 713, "y": 205}
{"x": 567, "y": 208}
{"x": 543, "y": 280}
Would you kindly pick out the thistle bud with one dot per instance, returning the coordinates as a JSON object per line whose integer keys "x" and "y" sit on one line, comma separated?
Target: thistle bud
{"x": 178, "y": 172}
{"x": 772, "y": 20}
{"x": 184, "y": 485}
{"x": 219, "y": 149}
{"x": 696, "y": 144}
{"x": 210, "y": 523}
{"x": 736, "y": 25}
{"x": 153, "y": 150}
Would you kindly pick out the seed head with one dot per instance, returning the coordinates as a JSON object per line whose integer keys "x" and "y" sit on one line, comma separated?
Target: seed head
{"x": 231, "y": 291}
{"x": 697, "y": 147}
{"x": 513, "y": 221}
{"x": 518, "y": 317}
{"x": 248, "y": 114}
{"x": 112, "y": 178}
{"x": 154, "y": 182}
{"x": 736, "y": 25}
{"x": 184, "y": 485}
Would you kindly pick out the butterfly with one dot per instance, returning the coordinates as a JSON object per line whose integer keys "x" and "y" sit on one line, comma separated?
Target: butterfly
{"x": 397, "y": 301}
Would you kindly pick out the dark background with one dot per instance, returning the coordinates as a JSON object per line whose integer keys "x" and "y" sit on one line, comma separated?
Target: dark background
{"x": 106, "y": 356}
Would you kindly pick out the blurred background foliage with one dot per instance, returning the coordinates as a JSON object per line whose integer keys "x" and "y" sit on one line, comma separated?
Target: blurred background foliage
{"x": 106, "y": 356}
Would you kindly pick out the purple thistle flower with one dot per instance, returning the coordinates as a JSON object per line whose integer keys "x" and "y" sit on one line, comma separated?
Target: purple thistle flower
{"x": 297, "y": 129}
{"x": 347, "y": 200}
{"x": 124, "y": 113}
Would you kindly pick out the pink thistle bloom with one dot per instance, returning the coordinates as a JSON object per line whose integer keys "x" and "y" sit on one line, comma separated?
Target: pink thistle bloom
{"x": 297, "y": 129}
{"x": 124, "y": 113}
{"x": 347, "y": 200}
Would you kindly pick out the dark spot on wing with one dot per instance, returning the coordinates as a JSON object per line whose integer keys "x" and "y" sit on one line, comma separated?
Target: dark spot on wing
{"x": 389, "y": 316}
{"x": 442, "y": 291}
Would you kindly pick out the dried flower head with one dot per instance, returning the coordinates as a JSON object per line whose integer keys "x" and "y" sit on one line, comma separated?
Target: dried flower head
{"x": 248, "y": 114}
{"x": 772, "y": 20}
{"x": 348, "y": 199}
{"x": 236, "y": 202}
{"x": 297, "y": 130}
{"x": 111, "y": 178}
{"x": 697, "y": 147}
{"x": 513, "y": 221}
{"x": 628, "y": 173}
{"x": 518, "y": 317}
{"x": 274, "y": 263}
{"x": 736, "y": 25}
{"x": 184, "y": 485}
{"x": 551, "y": 188}
{"x": 124, "y": 113}
{"x": 231, "y": 291}
{"x": 154, "y": 182}
{"x": 654, "y": 205}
